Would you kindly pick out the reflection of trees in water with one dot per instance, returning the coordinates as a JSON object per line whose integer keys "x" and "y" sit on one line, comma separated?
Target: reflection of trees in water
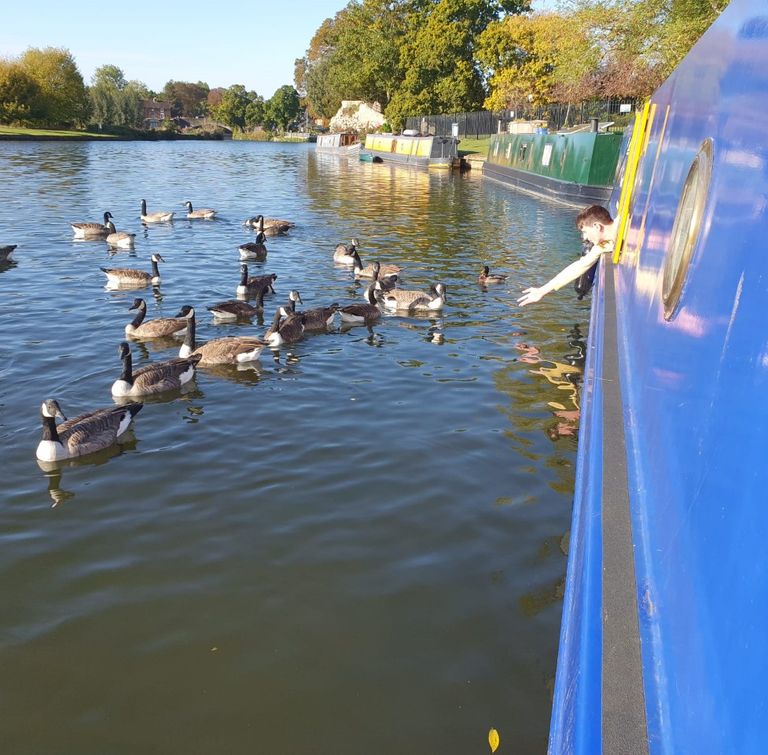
{"x": 403, "y": 214}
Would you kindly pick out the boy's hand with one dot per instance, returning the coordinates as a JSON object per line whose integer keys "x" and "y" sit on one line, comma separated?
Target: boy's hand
{"x": 530, "y": 296}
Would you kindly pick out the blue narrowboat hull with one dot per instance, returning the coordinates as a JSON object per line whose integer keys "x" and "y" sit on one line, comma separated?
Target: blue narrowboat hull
{"x": 662, "y": 646}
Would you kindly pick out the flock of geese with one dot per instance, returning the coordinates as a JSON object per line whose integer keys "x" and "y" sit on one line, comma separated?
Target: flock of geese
{"x": 100, "y": 429}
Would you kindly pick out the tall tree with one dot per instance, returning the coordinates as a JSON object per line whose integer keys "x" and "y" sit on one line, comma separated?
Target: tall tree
{"x": 62, "y": 91}
{"x": 115, "y": 101}
{"x": 283, "y": 108}
{"x": 437, "y": 57}
{"x": 19, "y": 94}
{"x": 186, "y": 98}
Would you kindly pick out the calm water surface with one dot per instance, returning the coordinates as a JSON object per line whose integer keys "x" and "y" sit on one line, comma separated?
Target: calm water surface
{"x": 356, "y": 546}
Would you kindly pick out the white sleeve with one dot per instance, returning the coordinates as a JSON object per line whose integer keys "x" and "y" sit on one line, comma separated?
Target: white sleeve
{"x": 575, "y": 269}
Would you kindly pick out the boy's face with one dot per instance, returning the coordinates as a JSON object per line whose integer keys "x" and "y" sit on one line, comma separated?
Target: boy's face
{"x": 594, "y": 232}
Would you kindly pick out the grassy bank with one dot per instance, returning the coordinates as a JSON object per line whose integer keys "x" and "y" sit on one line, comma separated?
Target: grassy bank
{"x": 15, "y": 132}
{"x": 474, "y": 147}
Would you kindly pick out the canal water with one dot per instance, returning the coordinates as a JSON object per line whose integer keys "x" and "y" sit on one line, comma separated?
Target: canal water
{"x": 357, "y": 545}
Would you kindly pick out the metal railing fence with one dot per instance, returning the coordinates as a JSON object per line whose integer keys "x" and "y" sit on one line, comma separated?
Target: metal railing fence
{"x": 486, "y": 122}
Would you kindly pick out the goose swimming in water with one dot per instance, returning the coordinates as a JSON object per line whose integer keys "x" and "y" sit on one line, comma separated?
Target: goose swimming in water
{"x": 131, "y": 278}
{"x": 254, "y": 250}
{"x": 251, "y": 286}
{"x": 204, "y": 214}
{"x": 92, "y": 230}
{"x": 286, "y": 327}
{"x": 344, "y": 253}
{"x": 155, "y": 217}
{"x": 318, "y": 318}
{"x": 486, "y": 277}
{"x": 158, "y": 328}
{"x": 236, "y": 309}
{"x": 362, "y": 313}
{"x": 368, "y": 270}
{"x": 154, "y": 378}
{"x": 269, "y": 226}
{"x": 119, "y": 239}
{"x": 227, "y": 350}
{"x": 6, "y": 251}
{"x": 415, "y": 301}
{"x": 85, "y": 434}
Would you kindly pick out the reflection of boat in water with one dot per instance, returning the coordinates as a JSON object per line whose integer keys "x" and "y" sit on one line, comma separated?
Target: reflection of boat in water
{"x": 343, "y": 143}
{"x": 662, "y": 648}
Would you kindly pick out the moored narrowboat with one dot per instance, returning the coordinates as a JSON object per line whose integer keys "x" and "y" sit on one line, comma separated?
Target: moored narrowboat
{"x": 342, "y": 143}
{"x": 412, "y": 149}
{"x": 572, "y": 168}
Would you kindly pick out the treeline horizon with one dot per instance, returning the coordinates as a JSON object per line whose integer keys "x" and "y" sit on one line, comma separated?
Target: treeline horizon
{"x": 427, "y": 57}
{"x": 44, "y": 87}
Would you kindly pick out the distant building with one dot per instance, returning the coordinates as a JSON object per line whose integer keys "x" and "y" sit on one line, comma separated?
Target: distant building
{"x": 356, "y": 115}
{"x": 155, "y": 112}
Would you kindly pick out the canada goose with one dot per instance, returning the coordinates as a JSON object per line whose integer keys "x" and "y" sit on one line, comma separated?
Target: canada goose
{"x": 290, "y": 308}
{"x": 269, "y": 226}
{"x": 162, "y": 326}
{"x": 314, "y": 319}
{"x": 92, "y": 230}
{"x": 82, "y": 435}
{"x": 382, "y": 283}
{"x": 130, "y": 277}
{"x": 254, "y": 250}
{"x": 286, "y": 327}
{"x": 119, "y": 239}
{"x": 251, "y": 286}
{"x": 204, "y": 214}
{"x": 6, "y": 251}
{"x": 154, "y": 378}
{"x": 367, "y": 271}
{"x": 228, "y": 350}
{"x": 344, "y": 252}
{"x": 362, "y": 312}
{"x": 319, "y": 318}
{"x": 415, "y": 301}
{"x": 485, "y": 277}
{"x": 155, "y": 217}
{"x": 235, "y": 309}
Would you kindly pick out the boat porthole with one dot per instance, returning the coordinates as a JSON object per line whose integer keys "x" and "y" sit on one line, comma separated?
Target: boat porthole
{"x": 686, "y": 228}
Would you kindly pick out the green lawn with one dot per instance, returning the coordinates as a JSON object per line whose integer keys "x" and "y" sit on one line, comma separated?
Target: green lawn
{"x": 474, "y": 147}
{"x": 38, "y": 133}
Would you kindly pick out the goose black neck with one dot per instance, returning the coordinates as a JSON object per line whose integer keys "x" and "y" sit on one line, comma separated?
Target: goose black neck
{"x": 155, "y": 269}
{"x": 276, "y": 321}
{"x": 243, "y": 276}
{"x": 189, "y": 337}
{"x": 140, "y": 315}
{"x": 49, "y": 429}
{"x": 127, "y": 373}
{"x": 260, "y": 300}
{"x": 143, "y": 206}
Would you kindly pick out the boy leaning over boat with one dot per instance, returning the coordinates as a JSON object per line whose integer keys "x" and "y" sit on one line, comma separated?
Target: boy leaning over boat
{"x": 597, "y": 227}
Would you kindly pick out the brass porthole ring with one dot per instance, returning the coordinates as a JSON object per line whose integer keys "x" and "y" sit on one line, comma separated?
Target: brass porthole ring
{"x": 687, "y": 228}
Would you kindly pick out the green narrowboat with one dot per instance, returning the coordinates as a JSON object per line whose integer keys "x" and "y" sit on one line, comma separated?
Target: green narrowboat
{"x": 573, "y": 168}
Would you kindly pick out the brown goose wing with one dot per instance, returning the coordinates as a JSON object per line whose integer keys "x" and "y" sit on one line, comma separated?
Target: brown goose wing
{"x": 94, "y": 431}
{"x": 163, "y": 376}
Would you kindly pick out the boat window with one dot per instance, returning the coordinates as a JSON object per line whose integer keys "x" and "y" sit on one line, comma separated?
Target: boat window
{"x": 687, "y": 228}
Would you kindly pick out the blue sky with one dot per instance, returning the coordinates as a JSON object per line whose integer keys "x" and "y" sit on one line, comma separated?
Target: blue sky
{"x": 221, "y": 43}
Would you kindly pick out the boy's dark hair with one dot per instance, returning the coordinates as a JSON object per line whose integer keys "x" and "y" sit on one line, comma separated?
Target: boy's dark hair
{"x": 593, "y": 214}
